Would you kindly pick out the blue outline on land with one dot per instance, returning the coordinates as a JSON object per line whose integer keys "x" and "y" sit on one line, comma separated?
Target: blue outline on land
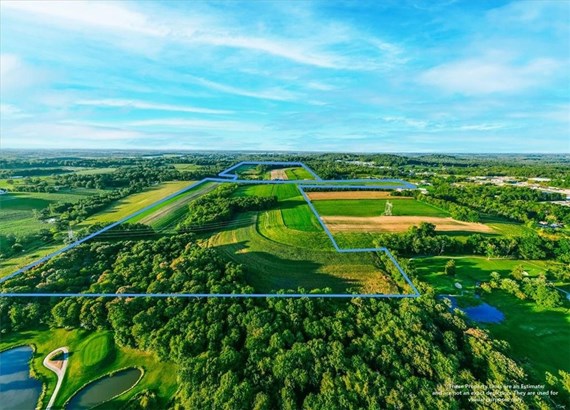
{"x": 226, "y": 176}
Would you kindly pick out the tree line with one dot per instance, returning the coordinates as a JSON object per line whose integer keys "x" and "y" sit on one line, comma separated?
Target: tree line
{"x": 263, "y": 353}
{"x": 425, "y": 241}
{"x": 220, "y": 205}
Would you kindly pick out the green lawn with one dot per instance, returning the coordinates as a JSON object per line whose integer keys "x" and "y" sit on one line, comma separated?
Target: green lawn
{"x": 506, "y": 227}
{"x": 96, "y": 348}
{"x": 470, "y": 269}
{"x": 538, "y": 337}
{"x": 159, "y": 376}
{"x": 376, "y": 207}
{"x": 132, "y": 203}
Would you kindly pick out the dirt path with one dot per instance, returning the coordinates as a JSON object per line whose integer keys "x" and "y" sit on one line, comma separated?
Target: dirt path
{"x": 278, "y": 174}
{"x": 399, "y": 224}
{"x": 58, "y": 367}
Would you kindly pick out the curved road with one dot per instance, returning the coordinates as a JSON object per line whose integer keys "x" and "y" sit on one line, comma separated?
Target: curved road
{"x": 59, "y": 372}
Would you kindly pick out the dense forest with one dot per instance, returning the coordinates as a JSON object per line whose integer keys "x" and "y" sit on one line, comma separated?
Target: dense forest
{"x": 265, "y": 353}
{"x": 516, "y": 203}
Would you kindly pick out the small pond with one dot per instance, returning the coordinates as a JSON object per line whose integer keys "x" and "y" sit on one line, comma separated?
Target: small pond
{"x": 482, "y": 313}
{"x": 18, "y": 391}
{"x": 104, "y": 389}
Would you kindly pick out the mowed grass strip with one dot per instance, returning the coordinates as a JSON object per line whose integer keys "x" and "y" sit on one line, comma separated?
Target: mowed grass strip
{"x": 96, "y": 348}
{"x": 294, "y": 209}
{"x": 166, "y": 214}
{"x": 132, "y": 203}
{"x": 376, "y": 207}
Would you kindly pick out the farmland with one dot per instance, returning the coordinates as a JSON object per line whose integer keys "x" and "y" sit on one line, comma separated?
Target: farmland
{"x": 17, "y": 208}
{"x": 272, "y": 172}
{"x": 135, "y": 202}
{"x": 376, "y": 207}
{"x": 167, "y": 213}
{"x": 285, "y": 248}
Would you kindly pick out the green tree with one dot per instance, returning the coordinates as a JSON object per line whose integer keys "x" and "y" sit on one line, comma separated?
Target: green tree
{"x": 450, "y": 267}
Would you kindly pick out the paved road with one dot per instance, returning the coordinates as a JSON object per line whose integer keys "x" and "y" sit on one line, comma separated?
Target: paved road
{"x": 59, "y": 372}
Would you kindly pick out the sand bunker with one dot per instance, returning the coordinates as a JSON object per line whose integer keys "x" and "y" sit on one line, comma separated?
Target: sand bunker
{"x": 399, "y": 224}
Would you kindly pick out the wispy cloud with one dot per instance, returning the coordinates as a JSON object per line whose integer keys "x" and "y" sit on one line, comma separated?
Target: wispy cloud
{"x": 142, "y": 105}
{"x": 276, "y": 93}
{"x": 481, "y": 76}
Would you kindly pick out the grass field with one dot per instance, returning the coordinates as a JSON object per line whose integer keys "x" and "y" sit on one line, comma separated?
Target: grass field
{"x": 168, "y": 213}
{"x": 17, "y": 209}
{"x": 94, "y": 171}
{"x": 362, "y": 182}
{"x": 159, "y": 376}
{"x": 273, "y": 172}
{"x": 470, "y": 269}
{"x": 293, "y": 208}
{"x": 527, "y": 328}
{"x": 285, "y": 248}
{"x": 376, "y": 207}
{"x": 28, "y": 256}
{"x": 135, "y": 202}
{"x": 537, "y": 337}
{"x": 298, "y": 173}
{"x": 187, "y": 167}
{"x": 96, "y": 348}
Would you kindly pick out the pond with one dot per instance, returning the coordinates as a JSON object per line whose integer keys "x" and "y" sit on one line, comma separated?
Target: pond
{"x": 482, "y": 313}
{"x": 18, "y": 391}
{"x": 104, "y": 389}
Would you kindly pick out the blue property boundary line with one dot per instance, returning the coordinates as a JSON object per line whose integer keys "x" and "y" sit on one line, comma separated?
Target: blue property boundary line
{"x": 225, "y": 177}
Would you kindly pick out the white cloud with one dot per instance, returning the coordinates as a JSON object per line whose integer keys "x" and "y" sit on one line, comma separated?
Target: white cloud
{"x": 149, "y": 106}
{"x": 312, "y": 46}
{"x": 16, "y": 75}
{"x": 69, "y": 135}
{"x": 78, "y": 14}
{"x": 9, "y": 110}
{"x": 482, "y": 76}
{"x": 186, "y": 124}
{"x": 276, "y": 94}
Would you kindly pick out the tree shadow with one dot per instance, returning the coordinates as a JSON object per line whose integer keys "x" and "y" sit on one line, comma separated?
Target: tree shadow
{"x": 269, "y": 273}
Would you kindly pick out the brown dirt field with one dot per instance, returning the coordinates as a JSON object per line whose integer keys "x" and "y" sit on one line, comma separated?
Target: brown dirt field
{"x": 315, "y": 196}
{"x": 399, "y": 224}
{"x": 278, "y": 174}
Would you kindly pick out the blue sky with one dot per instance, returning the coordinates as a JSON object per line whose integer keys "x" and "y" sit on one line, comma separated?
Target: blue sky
{"x": 366, "y": 76}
